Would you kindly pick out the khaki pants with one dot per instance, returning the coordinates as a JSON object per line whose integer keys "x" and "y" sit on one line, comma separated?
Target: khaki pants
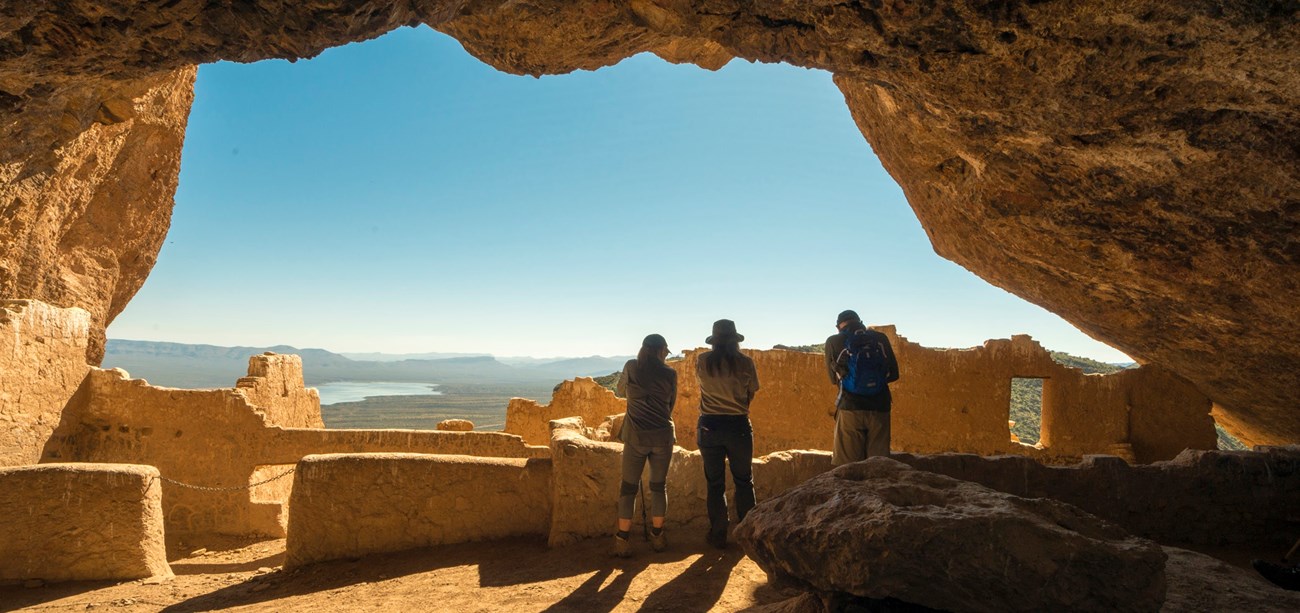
{"x": 860, "y": 435}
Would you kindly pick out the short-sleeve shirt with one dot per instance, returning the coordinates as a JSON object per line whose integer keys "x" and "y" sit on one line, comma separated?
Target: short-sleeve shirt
{"x": 727, "y": 393}
{"x": 651, "y": 393}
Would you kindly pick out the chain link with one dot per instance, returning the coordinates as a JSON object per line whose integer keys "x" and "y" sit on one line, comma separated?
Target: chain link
{"x": 229, "y": 489}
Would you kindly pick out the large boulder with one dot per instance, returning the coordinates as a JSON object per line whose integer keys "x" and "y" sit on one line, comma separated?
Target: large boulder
{"x": 881, "y": 529}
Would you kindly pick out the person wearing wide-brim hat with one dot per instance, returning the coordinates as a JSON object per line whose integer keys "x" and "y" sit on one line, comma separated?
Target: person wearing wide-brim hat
{"x": 650, "y": 387}
{"x": 728, "y": 382}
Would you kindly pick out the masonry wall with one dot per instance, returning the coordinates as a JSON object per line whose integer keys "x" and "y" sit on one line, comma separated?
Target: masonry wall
{"x": 580, "y": 397}
{"x": 42, "y": 361}
{"x": 347, "y": 505}
{"x": 218, "y": 438}
{"x": 949, "y": 400}
{"x": 64, "y": 522}
{"x": 274, "y": 384}
{"x": 586, "y": 475}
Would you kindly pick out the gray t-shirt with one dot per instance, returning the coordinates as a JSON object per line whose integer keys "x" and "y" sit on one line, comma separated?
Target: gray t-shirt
{"x": 727, "y": 392}
{"x": 651, "y": 393}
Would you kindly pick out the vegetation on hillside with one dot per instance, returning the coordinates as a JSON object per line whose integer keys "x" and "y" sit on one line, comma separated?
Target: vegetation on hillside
{"x": 610, "y": 381}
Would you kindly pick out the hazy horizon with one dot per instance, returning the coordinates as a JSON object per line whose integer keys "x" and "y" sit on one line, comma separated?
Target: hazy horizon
{"x": 399, "y": 196}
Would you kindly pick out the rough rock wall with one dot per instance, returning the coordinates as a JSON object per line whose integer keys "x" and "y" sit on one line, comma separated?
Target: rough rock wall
{"x": 349, "y": 505}
{"x": 945, "y": 400}
{"x": 881, "y": 529}
{"x": 1199, "y": 498}
{"x": 219, "y": 438}
{"x": 1128, "y": 164}
{"x": 42, "y": 361}
{"x": 66, "y": 522}
{"x": 86, "y": 192}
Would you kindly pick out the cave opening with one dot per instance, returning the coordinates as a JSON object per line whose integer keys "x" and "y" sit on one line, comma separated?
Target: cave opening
{"x": 399, "y": 197}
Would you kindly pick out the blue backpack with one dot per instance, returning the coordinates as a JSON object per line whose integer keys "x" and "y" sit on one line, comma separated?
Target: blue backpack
{"x": 865, "y": 362}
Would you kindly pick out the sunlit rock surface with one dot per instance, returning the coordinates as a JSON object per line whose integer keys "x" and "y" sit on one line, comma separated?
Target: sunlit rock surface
{"x": 1129, "y": 165}
{"x": 881, "y": 529}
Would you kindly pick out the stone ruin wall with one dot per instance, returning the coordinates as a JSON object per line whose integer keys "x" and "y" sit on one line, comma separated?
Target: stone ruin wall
{"x": 67, "y": 522}
{"x": 275, "y": 386}
{"x": 349, "y": 505}
{"x": 221, "y": 438}
{"x": 42, "y": 361}
{"x": 945, "y": 400}
{"x": 586, "y": 475}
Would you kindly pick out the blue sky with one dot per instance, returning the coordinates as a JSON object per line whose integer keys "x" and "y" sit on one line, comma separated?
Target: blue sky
{"x": 400, "y": 196}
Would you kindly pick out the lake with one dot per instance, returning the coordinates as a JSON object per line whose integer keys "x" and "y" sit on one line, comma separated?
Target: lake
{"x": 356, "y": 391}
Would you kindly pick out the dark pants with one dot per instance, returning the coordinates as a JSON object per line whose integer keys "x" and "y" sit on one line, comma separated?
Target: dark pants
{"x": 722, "y": 439}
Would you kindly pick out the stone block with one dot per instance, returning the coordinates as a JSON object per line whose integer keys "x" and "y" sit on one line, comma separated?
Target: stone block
{"x": 65, "y": 522}
{"x": 347, "y": 505}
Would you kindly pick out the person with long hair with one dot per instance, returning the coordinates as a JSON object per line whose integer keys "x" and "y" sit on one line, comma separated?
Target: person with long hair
{"x": 650, "y": 387}
{"x": 728, "y": 382}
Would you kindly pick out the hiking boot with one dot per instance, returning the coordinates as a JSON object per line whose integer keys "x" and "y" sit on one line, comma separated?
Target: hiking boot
{"x": 658, "y": 542}
{"x": 717, "y": 538}
{"x": 622, "y": 547}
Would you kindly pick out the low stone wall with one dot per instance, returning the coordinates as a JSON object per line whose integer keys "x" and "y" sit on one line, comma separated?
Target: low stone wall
{"x": 946, "y": 400}
{"x": 42, "y": 361}
{"x": 586, "y": 477}
{"x": 346, "y": 505}
{"x": 218, "y": 438}
{"x": 1199, "y": 498}
{"x": 65, "y": 522}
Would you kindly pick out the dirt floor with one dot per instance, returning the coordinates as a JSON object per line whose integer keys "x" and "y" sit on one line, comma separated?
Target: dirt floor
{"x": 225, "y": 573}
{"x": 243, "y": 575}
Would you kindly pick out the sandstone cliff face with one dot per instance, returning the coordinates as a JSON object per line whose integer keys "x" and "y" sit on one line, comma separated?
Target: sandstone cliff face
{"x": 87, "y": 186}
{"x": 42, "y": 362}
{"x": 1127, "y": 164}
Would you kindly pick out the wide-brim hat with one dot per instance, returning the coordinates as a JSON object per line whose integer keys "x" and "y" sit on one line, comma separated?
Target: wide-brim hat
{"x": 724, "y": 330}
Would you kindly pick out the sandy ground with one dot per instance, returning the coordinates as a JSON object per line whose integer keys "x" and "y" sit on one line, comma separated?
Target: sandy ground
{"x": 244, "y": 575}
{"x": 224, "y": 573}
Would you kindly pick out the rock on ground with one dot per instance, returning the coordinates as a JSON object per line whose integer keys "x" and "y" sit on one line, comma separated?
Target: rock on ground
{"x": 880, "y": 529}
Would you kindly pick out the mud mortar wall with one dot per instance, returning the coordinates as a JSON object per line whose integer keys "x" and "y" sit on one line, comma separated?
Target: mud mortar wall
{"x": 42, "y": 361}
{"x": 350, "y": 505}
{"x": 586, "y": 475}
{"x": 946, "y": 400}
{"x": 218, "y": 438}
{"x": 66, "y": 522}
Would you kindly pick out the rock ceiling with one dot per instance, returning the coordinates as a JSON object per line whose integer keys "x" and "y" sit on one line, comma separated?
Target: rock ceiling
{"x": 1130, "y": 165}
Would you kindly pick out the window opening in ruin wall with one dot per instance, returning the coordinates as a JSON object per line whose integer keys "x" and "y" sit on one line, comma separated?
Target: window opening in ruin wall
{"x": 1026, "y": 410}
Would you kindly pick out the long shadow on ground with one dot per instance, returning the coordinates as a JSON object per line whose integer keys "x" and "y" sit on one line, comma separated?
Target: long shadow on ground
{"x": 500, "y": 564}
{"x": 699, "y": 587}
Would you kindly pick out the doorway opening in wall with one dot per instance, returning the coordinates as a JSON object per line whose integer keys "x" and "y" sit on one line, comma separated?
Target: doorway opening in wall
{"x": 427, "y": 221}
{"x": 1027, "y": 409}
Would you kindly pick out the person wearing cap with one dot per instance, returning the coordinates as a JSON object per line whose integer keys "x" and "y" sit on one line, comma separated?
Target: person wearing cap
{"x": 650, "y": 387}
{"x": 861, "y": 422}
{"x": 728, "y": 382}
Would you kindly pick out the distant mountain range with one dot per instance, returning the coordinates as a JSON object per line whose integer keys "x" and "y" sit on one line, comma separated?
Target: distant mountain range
{"x": 204, "y": 366}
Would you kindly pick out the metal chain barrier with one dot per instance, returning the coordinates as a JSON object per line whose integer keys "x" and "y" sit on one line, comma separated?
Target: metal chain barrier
{"x": 229, "y": 489}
